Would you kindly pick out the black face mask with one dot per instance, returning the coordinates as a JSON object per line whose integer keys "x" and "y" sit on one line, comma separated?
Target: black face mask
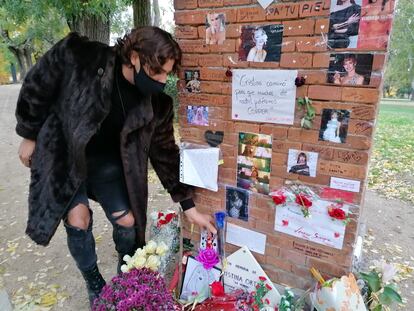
{"x": 145, "y": 84}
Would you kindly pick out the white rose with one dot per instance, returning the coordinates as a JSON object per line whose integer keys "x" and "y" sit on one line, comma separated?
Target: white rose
{"x": 127, "y": 258}
{"x": 139, "y": 253}
{"x": 150, "y": 247}
{"x": 139, "y": 262}
{"x": 161, "y": 249}
{"x": 153, "y": 262}
{"x": 124, "y": 268}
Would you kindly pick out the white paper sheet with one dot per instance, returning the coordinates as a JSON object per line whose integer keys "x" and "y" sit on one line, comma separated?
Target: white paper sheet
{"x": 199, "y": 167}
{"x": 264, "y": 95}
{"x": 265, "y": 3}
{"x": 239, "y": 236}
{"x": 319, "y": 228}
{"x": 345, "y": 184}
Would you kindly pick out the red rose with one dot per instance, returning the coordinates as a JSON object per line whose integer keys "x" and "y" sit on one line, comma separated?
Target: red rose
{"x": 262, "y": 278}
{"x": 217, "y": 289}
{"x": 279, "y": 199}
{"x": 337, "y": 213}
{"x": 303, "y": 200}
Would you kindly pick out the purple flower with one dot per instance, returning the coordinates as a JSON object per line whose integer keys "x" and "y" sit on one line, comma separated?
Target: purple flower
{"x": 139, "y": 289}
{"x": 208, "y": 257}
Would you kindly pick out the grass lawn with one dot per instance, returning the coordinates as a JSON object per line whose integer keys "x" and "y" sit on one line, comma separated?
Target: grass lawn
{"x": 392, "y": 164}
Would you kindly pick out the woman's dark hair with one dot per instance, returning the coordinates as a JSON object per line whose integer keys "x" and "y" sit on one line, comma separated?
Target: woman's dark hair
{"x": 340, "y": 2}
{"x": 384, "y": 2}
{"x": 153, "y": 45}
{"x": 302, "y": 154}
{"x": 351, "y": 57}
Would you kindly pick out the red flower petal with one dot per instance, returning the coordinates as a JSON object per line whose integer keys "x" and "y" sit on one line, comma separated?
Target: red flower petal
{"x": 268, "y": 287}
{"x": 337, "y": 235}
{"x": 262, "y": 278}
{"x": 285, "y": 222}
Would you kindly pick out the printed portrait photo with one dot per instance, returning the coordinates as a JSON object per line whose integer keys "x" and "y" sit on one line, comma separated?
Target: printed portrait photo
{"x": 302, "y": 162}
{"x": 197, "y": 115}
{"x": 215, "y": 28}
{"x": 261, "y": 43}
{"x": 334, "y": 125}
{"x": 196, "y": 278}
{"x": 237, "y": 203}
{"x": 208, "y": 240}
{"x": 192, "y": 81}
{"x": 254, "y": 162}
{"x": 375, "y": 24}
{"x": 350, "y": 69}
{"x": 344, "y": 19}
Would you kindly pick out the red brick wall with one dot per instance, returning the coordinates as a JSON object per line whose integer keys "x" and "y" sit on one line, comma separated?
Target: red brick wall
{"x": 287, "y": 259}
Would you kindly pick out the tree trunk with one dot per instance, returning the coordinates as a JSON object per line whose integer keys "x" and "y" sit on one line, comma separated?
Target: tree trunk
{"x": 142, "y": 12}
{"x": 28, "y": 57}
{"x": 156, "y": 10}
{"x": 94, "y": 27}
{"x": 18, "y": 53}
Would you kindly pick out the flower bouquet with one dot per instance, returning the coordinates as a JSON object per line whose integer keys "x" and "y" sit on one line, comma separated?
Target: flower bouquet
{"x": 140, "y": 287}
{"x": 164, "y": 226}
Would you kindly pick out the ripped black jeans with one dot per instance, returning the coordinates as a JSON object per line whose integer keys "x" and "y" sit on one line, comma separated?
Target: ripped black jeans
{"x": 106, "y": 185}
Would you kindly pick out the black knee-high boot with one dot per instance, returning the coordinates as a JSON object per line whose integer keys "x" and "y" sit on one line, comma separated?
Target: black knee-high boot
{"x": 125, "y": 242}
{"x": 81, "y": 245}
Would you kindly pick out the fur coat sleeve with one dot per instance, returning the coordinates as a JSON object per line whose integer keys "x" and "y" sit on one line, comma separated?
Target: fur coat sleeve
{"x": 164, "y": 153}
{"x": 39, "y": 91}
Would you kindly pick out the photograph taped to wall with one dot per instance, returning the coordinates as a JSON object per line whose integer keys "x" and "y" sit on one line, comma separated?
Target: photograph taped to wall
{"x": 261, "y": 43}
{"x": 237, "y": 203}
{"x": 215, "y": 28}
{"x": 374, "y": 32}
{"x": 344, "y": 21}
{"x": 254, "y": 162}
{"x": 350, "y": 69}
{"x": 197, "y": 115}
{"x": 192, "y": 81}
{"x": 334, "y": 125}
{"x": 302, "y": 162}
{"x": 208, "y": 240}
{"x": 197, "y": 279}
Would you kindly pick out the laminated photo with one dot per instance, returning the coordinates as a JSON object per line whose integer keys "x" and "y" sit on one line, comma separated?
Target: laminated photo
{"x": 334, "y": 125}
{"x": 261, "y": 43}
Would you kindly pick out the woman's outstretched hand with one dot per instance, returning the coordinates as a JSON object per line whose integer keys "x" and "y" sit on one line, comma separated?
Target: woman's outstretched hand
{"x": 204, "y": 221}
{"x": 25, "y": 152}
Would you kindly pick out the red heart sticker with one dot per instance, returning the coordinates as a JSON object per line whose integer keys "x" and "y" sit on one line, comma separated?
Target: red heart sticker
{"x": 337, "y": 235}
{"x": 285, "y": 222}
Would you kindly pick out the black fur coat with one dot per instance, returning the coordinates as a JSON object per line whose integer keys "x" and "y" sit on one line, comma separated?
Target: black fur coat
{"x": 62, "y": 102}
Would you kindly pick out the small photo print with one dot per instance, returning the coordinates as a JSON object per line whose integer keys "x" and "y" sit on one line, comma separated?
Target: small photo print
{"x": 208, "y": 240}
{"x": 302, "y": 162}
{"x": 215, "y": 28}
{"x": 197, "y": 278}
{"x": 334, "y": 125}
{"x": 350, "y": 69}
{"x": 254, "y": 162}
{"x": 261, "y": 43}
{"x": 192, "y": 81}
{"x": 237, "y": 203}
{"x": 197, "y": 115}
{"x": 344, "y": 21}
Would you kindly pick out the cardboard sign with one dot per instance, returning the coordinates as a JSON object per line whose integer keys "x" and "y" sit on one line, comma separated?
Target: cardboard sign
{"x": 319, "y": 228}
{"x": 243, "y": 272}
{"x": 264, "y": 95}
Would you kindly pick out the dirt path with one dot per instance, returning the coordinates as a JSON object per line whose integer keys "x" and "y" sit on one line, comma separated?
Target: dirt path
{"x": 30, "y": 271}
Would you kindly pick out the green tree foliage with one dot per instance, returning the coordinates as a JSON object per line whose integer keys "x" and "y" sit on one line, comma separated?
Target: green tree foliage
{"x": 400, "y": 68}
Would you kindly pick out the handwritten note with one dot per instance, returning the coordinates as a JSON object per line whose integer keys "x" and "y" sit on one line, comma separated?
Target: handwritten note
{"x": 320, "y": 228}
{"x": 345, "y": 184}
{"x": 264, "y": 95}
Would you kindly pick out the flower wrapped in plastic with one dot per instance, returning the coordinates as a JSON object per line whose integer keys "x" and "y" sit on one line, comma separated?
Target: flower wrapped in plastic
{"x": 164, "y": 227}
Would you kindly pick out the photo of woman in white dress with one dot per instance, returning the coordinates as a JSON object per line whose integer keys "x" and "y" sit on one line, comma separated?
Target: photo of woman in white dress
{"x": 334, "y": 125}
{"x": 237, "y": 201}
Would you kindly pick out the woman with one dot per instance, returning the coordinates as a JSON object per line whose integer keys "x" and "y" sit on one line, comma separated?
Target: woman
{"x": 301, "y": 166}
{"x": 257, "y": 53}
{"x": 350, "y": 77}
{"x": 344, "y": 24}
{"x": 91, "y": 116}
{"x": 333, "y": 126}
{"x": 236, "y": 204}
{"x": 216, "y": 28}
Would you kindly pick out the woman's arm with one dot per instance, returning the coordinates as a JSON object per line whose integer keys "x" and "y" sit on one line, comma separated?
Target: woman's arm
{"x": 252, "y": 53}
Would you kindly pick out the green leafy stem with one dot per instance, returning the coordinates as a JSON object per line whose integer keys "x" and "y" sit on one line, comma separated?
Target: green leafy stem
{"x": 306, "y": 104}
